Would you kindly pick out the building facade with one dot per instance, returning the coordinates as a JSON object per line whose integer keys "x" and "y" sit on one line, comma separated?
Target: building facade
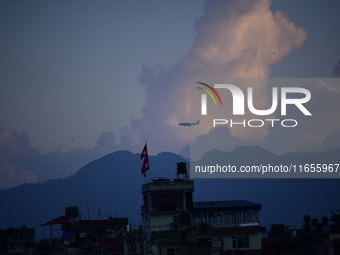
{"x": 228, "y": 226}
{"x": 174, "y": 224}
{"x": 165, "y": 203}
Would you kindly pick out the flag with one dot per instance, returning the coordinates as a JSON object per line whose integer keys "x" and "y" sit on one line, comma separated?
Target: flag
{"x": 145, "y": 165}
{"x": 144, "y": 152}
{"x": 144, "y": 155}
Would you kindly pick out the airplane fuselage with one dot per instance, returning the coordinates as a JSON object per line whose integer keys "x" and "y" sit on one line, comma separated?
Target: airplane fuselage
{"x": 189, "y": 124}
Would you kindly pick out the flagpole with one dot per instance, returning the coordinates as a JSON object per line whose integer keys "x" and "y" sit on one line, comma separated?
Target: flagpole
{"x": 149, "y": 170}
{"x": 149, "y": 176}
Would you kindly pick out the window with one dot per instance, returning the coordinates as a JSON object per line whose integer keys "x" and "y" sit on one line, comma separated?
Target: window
{"x": 251, "y": 216}
{"x": 240, "y": 242}
{"x": 246, "y": 241}
{"x": 232, "y": 217}
{"x": 166, "y": 202}
{"x": 245, "y": 217}
{"x": 211, "y": 218}
{"x": 146, "y": 204}
{"x": 131, "y": 248}
{"x": 225, "y": 218}
{"x": 197, "y": 219}
{"x": 155, "y": 203}
{"x": 219, "y": 218}
{"x": 257, "y": 216}
{"x": 209, "y": 243}
{"x": 239, "y": 217}
{"x": 204, "y": 217}
{"x": 188, "y": 200}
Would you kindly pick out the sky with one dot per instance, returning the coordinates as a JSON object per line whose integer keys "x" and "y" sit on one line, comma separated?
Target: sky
{"x": 80, "y": 79}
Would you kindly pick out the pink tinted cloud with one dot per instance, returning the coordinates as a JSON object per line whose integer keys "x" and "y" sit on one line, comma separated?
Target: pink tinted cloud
{"x": 240, "y": 38}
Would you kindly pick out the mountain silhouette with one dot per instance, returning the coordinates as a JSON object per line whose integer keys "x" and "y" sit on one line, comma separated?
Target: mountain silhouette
{"x": 284, "y": 200}
{"x": 113, "y": 184}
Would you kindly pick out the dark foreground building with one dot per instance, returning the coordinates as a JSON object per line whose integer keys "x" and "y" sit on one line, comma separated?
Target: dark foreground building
{"x": 17, "y": 240}
{"x": 109, "y": 236}
{"x": 310, "y": 237}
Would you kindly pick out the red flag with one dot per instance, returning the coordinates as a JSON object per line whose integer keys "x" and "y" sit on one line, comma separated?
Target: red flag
{"x": 144, "y": 155}
{"x": 144, "y": 152}
{"x": 145, "y": 165}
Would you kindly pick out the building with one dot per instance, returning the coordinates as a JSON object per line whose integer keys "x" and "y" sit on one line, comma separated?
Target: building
{"x": 17, "y": 240}
{"x": 310, "y": 237}
{"x": 133, "y": 242}
{"x": 174, "y": 224}
{"x": 232, "y": 225}
{"x": 166, "y": 202}
{"x": 91, "y": 236}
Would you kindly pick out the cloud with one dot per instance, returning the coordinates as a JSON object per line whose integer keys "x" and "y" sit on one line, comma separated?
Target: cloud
{"x": 235, "y": 39}
{"x": 238, "y": 38}
{"x": 107, "y": 141}
{"x": 13, "y": 145}
{"x": 218, "y": 138}
{"x": 312, "y": 131}
{"x": 11, "y": 176}
{"x": 332, "y": 141}
{"x": 243, "y": 38}
{"x": 14, "y": 150}
{"x": 20, "y": 163}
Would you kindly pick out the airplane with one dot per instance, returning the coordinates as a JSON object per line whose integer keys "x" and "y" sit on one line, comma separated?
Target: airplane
{"x": 189, "y": 124}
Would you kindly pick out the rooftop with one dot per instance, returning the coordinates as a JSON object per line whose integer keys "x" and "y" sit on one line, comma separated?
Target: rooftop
{"x": 166, "y": 184}
{"x": 61, "y": 219}
{"x": 229, "y": 205}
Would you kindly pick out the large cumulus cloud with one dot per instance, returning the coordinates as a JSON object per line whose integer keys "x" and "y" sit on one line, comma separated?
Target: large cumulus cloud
{"x": 237, "y": 38}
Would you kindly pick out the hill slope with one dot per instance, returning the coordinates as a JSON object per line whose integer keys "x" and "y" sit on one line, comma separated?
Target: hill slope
{"x": 113, "y": 184}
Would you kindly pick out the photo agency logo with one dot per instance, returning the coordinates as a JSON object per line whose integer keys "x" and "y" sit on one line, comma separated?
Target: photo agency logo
{"x": 295, "y": 96}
